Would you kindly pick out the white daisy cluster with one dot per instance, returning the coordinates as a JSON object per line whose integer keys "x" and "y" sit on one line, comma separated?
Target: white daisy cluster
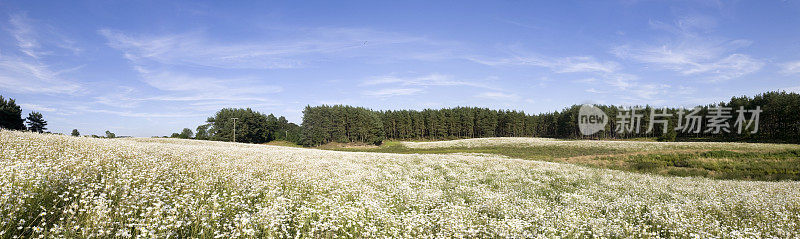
{"x": 65, "y": 187}
{"x": 612, "y": 144}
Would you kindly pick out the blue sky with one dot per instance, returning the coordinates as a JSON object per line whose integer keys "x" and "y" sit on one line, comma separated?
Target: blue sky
{"x": 144, "y": 68}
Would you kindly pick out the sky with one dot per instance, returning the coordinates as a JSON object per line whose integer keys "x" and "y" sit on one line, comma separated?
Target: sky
{"x": 151, "y": 68}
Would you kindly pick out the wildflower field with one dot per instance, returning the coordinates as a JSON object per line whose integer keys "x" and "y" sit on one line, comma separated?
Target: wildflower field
{"x": 720, "y": 160}
{"x": 59, "y": 186}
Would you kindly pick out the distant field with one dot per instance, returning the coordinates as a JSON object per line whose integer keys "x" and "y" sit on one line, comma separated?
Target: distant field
{"x": 722, "y": 160}
{"x": 60, "y": 186}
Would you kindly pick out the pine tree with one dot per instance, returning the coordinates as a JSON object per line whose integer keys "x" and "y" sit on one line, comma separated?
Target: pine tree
{"x": 36, "y": 122}
{"x": 10, "y": 115}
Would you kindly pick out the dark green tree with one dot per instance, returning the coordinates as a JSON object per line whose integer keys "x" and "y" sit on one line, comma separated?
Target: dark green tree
{"x": 110, "y": 135}
{"x": 339, "y": 123}
{"x": 186, "y": 133}
{"x": 251, "y": 126}
{"x": 10, "y": 115}
{"x": 36, "y": 122}
{"x": 75, "y": 133}
{"x": 202, "y": 132}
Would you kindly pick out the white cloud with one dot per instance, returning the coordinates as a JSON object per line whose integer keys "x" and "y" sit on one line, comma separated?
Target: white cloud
{"x": 30, "y": 76}
{"x": 791, "y": 67}
{"x": 650, "y": 91}
{"x": 586, "y": 81}
{"x": 122, "y": 97}
{"x": 621, "y": 81}
{"x": 297, "y": 48}
{"x": 195, "y": 93}
{"x": 433, "y": 79}
{"x": 570, "y": 64}
{"x": 23, "y": 32}
{"x": 691, "y": 53}
{"x": 32, "y": 38}
{"x": 168, "y": 63}
{"x": 595, "y": 91}
{"x": 392, "y": 92}
{"x": 143, "y": 114}
{"x": 182, "y": 82}
{"x": 693, "y": 60}
{"x": 28, "y": 73}
{"x": 499, "y": 96}
{"x": 35, "y": 107}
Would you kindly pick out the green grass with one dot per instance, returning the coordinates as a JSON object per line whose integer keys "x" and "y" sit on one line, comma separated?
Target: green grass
{"x": 721, "y": 164}
{"x": 534, "y": 153}
{"x": 762, "y": 165}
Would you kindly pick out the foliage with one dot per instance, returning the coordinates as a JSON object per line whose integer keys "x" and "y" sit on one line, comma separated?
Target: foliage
{"x": 36, "y": 122}
{"x": 779, "y": 121}
{"x": 75, "y": 133}
{"x": 339, "y": 123}
{"x": 202, "y": 132}
{"x": 110, "y": 134}
{"x": 186, "y": 133}
{"x": 251, "y": 127}
{"x": 10, "y": 115}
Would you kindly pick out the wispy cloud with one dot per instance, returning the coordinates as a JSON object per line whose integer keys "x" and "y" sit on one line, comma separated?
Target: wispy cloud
{"x": 27, "y": 72}
{"x": 23, "y": 32}
{"x": 691, "y": 53}
{"x": 30, "y": 76}
{"x": 500, "y": 96}
{"x": 595, "y": 91}
{"x": 183, "y": 82}
{"x": 434, "y": 79}
{"x": 392, "y": 92}
{"x": 569, "y": 64}
{"x": 168, "y": 64}
{"x": 298, "y": 48}
{"x": 791, "y": 67}
{"x": 142, "y": 114}
{"x": 35, "y": 107}
{"x": 32, "y": 37}
{"x": 621, "y": 81}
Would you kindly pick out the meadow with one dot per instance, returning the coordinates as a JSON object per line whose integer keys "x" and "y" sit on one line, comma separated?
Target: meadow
{"x": 720, "y": 160}
{"x": 70, "y": 187}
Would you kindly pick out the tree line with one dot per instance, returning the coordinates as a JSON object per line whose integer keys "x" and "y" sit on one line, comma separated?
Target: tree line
{"x": 11, "y": 117}
{"x": 779, "y": 121}
{"x": 251, "y": 127}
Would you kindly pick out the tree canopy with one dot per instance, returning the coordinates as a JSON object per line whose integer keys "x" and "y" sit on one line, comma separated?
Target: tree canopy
{"x": 340, "y": 123}
{"x": 10, "y": 115}
{"x": 779, "y": 121}
{"x": 251, "y": 127}
{"x": 202, "y": 132}
{"x": 186, "y": 133}
{"x": 36, "y": 122}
